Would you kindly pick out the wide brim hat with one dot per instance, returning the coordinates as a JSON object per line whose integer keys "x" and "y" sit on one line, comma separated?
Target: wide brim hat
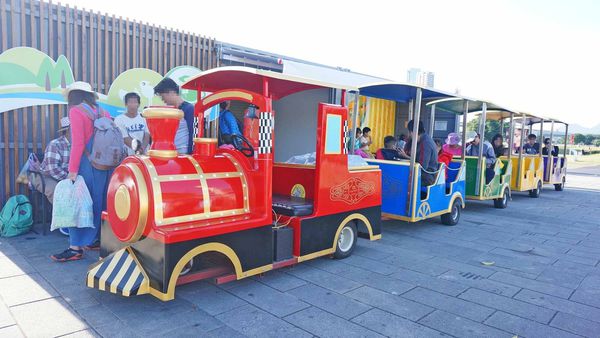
{"x": 79, "y": 85}
{"x": 453, "y": 139}
{"x": 471, "y": 135}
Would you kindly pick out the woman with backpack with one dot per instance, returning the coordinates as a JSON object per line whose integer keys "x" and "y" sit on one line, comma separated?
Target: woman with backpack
{"x": 83, "y": 111}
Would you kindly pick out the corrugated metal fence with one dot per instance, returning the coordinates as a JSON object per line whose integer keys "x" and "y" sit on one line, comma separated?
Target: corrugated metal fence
{"x": 99, "y": 48}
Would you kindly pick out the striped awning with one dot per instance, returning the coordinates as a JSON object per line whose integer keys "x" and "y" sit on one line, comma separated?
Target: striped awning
{"x": 120, "y": 273}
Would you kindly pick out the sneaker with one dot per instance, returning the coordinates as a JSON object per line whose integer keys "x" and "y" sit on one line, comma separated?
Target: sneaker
{"x": 93, "y": 247}
{"x": 68, "y": 255}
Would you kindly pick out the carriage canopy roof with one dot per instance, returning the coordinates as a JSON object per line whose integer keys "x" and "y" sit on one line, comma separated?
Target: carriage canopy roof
{"x": 401, "y": 92}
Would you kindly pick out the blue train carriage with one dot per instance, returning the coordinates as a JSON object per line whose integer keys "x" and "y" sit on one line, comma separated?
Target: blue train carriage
{"x": 528, "y": 169}
{"x": 403, "y": 196}
{"x": 478, "y": 186}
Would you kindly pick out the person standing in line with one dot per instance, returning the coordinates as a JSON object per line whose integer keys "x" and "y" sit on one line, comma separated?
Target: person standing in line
{"x": 133, "y": 126}
{"x": 168, "y": 91}
{"x": 82, "y": 103}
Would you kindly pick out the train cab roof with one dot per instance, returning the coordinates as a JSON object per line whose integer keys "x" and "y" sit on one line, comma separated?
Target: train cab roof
{"x": 251, "y": 79}
{"x": 401, "y": 92}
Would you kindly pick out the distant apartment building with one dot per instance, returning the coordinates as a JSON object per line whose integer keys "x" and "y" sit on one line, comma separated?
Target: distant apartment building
{"x": 420, "y": 77}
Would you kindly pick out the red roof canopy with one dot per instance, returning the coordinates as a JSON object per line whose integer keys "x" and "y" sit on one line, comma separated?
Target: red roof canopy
{"x": 280, "y": 85}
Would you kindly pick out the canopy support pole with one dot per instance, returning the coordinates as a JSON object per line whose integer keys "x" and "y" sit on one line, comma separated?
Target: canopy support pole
{"x": 511, "y": 137}
{"x": 566, "y": 136}
{"x": 354, "y": 124}
{"x": 413, "y": 153}
{"x": 431, "y": 120}
{"x": 464, "y": 129}
{"x": 480, "y": 162}
{"x": 519, "y": 178}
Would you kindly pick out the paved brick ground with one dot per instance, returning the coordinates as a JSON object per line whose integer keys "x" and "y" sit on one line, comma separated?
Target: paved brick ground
{"x": 420, "y": 280}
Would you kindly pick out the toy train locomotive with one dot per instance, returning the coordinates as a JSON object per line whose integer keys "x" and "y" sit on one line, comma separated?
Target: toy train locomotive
{"x": 227, "y": 214}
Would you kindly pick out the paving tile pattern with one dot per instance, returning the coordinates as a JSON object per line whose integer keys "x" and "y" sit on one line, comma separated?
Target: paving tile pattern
{"x": 420, "y": 280}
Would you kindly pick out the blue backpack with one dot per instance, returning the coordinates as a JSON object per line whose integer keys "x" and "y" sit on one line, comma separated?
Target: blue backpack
{"x": 16, "y": 216}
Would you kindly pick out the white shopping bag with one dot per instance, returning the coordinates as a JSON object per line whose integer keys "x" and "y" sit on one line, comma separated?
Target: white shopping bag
{"x": 72, "y": 205}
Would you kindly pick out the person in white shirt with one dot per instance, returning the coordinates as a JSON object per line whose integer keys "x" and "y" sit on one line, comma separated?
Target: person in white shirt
{"x": 133, "y": 126}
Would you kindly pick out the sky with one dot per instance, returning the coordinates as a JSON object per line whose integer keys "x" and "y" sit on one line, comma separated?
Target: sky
{"x": 537, "y": 56}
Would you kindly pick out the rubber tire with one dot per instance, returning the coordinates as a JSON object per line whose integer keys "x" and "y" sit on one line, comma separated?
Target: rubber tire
{"x": 535, "y": 193}
{"x": 502, "y": 203}
{"x": 447, "y": 218}
{"x": 560, "y": 187}
{"x": 339, "y": 254}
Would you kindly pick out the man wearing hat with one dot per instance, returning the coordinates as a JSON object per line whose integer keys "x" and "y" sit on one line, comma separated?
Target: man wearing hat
{"x": 55, "y": 166}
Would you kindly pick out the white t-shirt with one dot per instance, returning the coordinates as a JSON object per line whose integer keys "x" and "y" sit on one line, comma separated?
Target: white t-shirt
{"x": 132, "y": 127}
{"x": 181, "y": 137}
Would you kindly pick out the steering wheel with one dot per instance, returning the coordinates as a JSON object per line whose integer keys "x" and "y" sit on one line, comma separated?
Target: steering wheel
{"x": 242, "y": 144}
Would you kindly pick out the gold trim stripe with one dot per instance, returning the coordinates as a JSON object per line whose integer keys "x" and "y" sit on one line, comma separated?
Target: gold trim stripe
{"x": 191, "y": 177}
{"x": 204, "y": 186}
{"x": 230, "y": 93}
{"x": 143, "y": 202}
{"x": 244, "y": 181}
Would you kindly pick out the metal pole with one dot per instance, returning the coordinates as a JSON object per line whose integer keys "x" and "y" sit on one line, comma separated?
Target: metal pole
{"x": 481, "y": 159}
{"x": 410, "y": 109}
{"x": 519, "y": 180}
{"x": 413, "y": 151}
{"x": 566, "y": 136}
{"x": 542, "y": 138}
{"x": 354, "y": 123}
{"x": 550, "y": 165}
{"x": 431, "y": 120}
{"x": 511, "y": 137}
{"x": 501, "y": 120}
{"x": 464, "y": 131}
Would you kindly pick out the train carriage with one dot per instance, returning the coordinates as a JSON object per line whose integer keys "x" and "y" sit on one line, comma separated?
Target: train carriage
{"x": 403, "y": 195}
{"x": 555, "y": 163}
{"x": 528, "y": 170}
{"x": 227, "y": 214}
{"x": 478, "y": 187}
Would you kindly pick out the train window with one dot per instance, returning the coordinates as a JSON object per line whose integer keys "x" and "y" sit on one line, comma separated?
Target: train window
{"x": 333, "y": 134}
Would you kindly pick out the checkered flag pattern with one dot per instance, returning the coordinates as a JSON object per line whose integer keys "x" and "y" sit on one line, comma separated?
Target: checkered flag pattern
{"x": 345, "y": 137}
{"x": 195, "y": 132}
{"x": 266, "y": 123}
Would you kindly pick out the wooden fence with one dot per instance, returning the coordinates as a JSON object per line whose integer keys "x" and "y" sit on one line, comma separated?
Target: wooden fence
{"x": 99, "y": 47}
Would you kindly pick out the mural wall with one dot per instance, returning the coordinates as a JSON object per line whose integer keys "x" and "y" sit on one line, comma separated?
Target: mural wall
{"x": 29, "y": 77}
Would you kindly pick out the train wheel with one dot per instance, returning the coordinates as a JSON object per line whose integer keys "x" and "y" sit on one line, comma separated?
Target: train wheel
{"x": 453, "y": 216}
{"x": 347, "y": 241}
{"x": 561, "y": 186}
{"x": 535, "y": 193}
{"x": 502, "y": 203}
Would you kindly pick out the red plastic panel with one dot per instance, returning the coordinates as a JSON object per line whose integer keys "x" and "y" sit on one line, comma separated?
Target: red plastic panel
{"x": 182, "y": 198}
{"x": 225, "y": 194}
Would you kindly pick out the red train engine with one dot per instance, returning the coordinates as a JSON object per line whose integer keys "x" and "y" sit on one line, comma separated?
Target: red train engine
{"x": 227, "y": 213}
